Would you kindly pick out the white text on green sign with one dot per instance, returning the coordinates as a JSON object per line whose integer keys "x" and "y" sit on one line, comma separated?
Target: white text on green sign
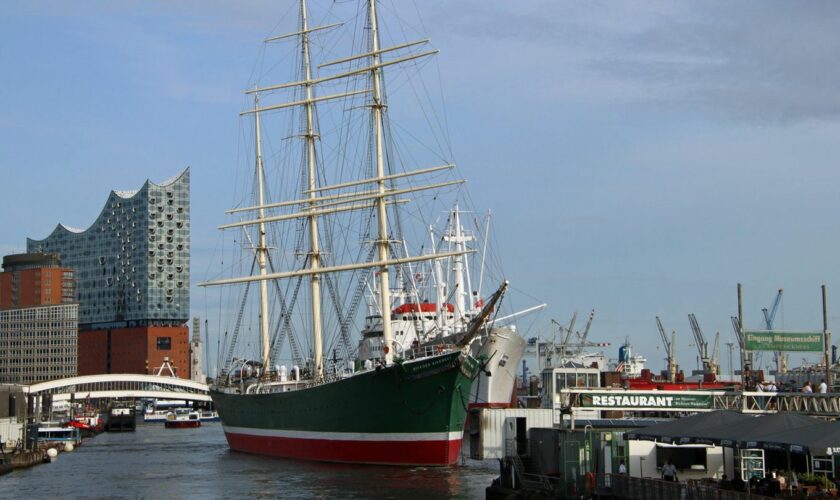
{"x": 773, "y": 340}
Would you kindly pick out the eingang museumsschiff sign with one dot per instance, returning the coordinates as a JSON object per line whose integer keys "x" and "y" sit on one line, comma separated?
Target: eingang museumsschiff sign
{"x": 772, "y": 340}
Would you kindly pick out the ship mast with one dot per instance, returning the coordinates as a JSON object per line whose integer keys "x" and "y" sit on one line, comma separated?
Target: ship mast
{"x": 314, "y": 248}
{"x": 458, "y": 238}
{"x": 382, "y": 219}
{"x": 262, "y": 249}
{"x": 317, "y": 200}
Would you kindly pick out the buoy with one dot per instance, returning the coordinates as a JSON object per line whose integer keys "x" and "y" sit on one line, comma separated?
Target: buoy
{"x": 52, "y": 453}
{"x": 68, "y": 447}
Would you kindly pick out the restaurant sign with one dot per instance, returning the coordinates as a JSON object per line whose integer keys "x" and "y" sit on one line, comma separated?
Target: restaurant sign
{"x": 631, "y": 401}
{"x": 772, "y": 340}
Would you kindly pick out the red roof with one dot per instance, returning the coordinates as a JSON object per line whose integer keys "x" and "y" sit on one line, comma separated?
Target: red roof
{"x": 422, "y": 307}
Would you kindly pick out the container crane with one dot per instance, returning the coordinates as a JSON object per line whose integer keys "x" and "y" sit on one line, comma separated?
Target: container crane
{"x": 710, "y": 364}
{"x": 569, "y": 330}
{"x": 670, "y": 347}
{"x": 581, "y": 341}
{"x": 572, "y": 347}
{"x": 748, "y": 357}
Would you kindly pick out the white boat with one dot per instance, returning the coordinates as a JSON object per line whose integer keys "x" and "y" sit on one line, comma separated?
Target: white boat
{"x": 55, "y": 432}
{"x": 182, "y": 418}
{"x": 209, "y": 416}
{"x": 157, "y": 411}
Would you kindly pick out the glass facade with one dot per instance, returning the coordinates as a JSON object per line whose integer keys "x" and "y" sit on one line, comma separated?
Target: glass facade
{"x": 132, "y": 265}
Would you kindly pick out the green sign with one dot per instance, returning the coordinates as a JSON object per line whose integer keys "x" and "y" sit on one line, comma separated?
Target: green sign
{"x": 646, "y": 401}
{"x": 773, "y": 340}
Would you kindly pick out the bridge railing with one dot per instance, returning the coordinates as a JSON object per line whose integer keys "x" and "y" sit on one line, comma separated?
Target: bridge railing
{"x": 111, "y": 384}
{"x": 766, "y": 402}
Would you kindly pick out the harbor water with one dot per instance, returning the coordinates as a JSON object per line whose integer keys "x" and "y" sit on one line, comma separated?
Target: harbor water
{"x": 196, "y": 463}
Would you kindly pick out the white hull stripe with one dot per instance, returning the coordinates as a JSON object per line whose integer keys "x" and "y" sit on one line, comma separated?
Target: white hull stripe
{"x": 346, "y": 436}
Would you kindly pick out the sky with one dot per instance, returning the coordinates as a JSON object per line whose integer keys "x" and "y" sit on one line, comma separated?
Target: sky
{"x": 640, "y": 158}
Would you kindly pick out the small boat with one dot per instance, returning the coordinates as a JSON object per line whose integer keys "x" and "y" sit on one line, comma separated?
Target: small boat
{"x": 159, "y": 409}
{"x": 89, "y": 425}
{"x": 53, "y": 432}
{"x": 183, "y": 418}
{"x": 120, "y": 418}
{"x": 209, "y": 416}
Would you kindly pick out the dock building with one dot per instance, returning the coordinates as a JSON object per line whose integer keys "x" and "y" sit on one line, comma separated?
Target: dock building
{"x": 38, "y": 319}
{"x": 132, "y": 271}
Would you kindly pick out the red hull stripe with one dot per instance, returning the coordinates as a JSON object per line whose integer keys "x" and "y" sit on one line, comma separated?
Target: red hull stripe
{"x": 344, "y": 436}
{"x": 441, "y": 452}
{"x": 181, "y": 425}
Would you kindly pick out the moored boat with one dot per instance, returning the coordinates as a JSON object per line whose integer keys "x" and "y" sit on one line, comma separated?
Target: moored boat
{"x": 209, "y": 416}
{"x": 120, "y": 417}
{"x": 54, "y": 432}
{"x": 88, "y": 424}
{"x": 182, "y": 418}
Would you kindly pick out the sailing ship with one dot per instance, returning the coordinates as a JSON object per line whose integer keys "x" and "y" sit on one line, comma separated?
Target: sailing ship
{"x": 409, "y": 407}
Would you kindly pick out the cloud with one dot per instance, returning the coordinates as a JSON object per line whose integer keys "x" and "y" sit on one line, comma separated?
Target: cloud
{"x": 748, "y": 61}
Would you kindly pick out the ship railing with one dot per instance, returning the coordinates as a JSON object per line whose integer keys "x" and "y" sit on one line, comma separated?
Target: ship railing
{"x": 772, "y": 402}
{"x": 428, "y": 350}
{"x": 276, "y": 385}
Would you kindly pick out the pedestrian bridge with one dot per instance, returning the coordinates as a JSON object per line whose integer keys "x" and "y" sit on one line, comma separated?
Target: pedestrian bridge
{"x": 125, "y": 385}
{"x": 818, "y": 405}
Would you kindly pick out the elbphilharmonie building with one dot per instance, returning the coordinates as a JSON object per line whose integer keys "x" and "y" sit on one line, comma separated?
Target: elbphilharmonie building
{"x": 132, "y": 265}
{"x": 132, "y": 271}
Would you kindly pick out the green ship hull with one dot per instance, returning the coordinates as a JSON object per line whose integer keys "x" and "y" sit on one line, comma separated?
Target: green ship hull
{"x": 410, "y": 413}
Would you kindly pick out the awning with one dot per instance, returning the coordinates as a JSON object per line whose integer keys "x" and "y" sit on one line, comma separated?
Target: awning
{"x": 694, "y": 429}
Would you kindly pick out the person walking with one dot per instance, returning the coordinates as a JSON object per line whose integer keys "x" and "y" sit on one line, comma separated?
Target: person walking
{"x": 622, "y": 469}
{"x": 807, "y": 389}
{"x": 823, "y": 387}
{"x": 772, "y": 390}
{"x": 669, "y": 471}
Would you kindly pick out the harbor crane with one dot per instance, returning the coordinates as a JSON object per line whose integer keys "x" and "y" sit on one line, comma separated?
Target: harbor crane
{"x": 779, "y": 357}
{"x": 572, "y": 347}
{"x": 748, "y": 357}
{"x": 710, "y": 363}
{"x": 670, "y": 347}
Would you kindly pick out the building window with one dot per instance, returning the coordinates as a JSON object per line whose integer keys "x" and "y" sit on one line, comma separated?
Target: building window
{"x": 164, "y": 343}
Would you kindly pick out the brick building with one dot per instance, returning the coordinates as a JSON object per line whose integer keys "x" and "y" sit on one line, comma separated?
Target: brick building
{"x": 38, "y": 319}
